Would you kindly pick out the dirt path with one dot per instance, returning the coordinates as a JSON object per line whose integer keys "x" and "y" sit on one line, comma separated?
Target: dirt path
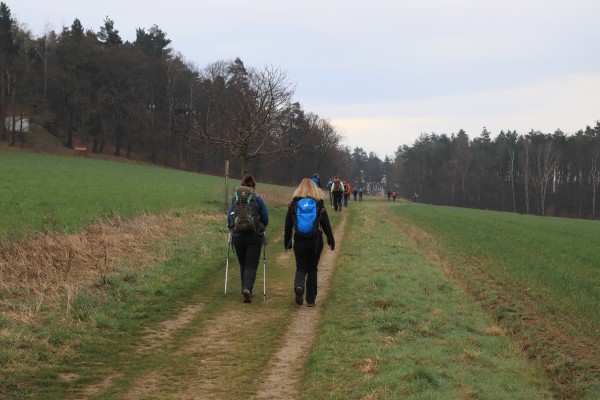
{"x": 281, "y": 380}
{"x": 206, "y": 365}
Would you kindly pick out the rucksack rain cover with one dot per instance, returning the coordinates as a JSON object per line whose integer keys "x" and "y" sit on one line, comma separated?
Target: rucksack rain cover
{"x": 337, "y": 185}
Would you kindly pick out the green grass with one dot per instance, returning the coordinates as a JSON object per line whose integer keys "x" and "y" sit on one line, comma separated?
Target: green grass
{"x": 554, "y": 260}
{"x": 395, "y": 327}
{"x": 60, "y": 194}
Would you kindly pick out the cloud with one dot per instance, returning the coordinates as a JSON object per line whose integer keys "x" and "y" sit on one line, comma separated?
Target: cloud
{"x": 566, "y": 103}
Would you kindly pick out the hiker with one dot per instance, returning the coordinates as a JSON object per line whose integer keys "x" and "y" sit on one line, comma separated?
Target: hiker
{"x": 416, "y": 197}
{"x": 248, "y": 241}
{"x": 354, "y": 192}
{"x": 328, "y": 188}
{"x": 360, "y": 193}
{"x": 346, "y": 192}
{"x": 394, "y": 195}
{"x": 337, "y": 192}
{"x": 308, "y": 218}
{"x": 317, "y": 180}
{"x": 389, "y": 195}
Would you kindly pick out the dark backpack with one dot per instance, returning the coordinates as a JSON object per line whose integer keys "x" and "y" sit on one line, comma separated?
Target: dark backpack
{"x": 245, "y": 216}
{"x": 306, "y": 218}
{"x": 337, "y": 185}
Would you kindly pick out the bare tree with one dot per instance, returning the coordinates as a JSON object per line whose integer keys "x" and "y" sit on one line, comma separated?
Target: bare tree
{"x": 546, "y": 165}
{"x": 43, "y": 49}
{"x": 241, "y": 118}
{"x": 526, "y": 144}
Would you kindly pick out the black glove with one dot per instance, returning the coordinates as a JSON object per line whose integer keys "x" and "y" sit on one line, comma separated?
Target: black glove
{"x": 287, "y": 245}
{"x": 331, "y": 245}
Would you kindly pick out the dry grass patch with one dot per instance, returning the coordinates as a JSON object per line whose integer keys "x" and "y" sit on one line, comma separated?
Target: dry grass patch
{"x": 51, "y": 269}
{"x": 369, "y": 366}
{"x": 495, "y": 331}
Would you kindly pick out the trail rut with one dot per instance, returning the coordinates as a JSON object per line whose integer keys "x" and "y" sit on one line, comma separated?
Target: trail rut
{"x": 281, "y": 380}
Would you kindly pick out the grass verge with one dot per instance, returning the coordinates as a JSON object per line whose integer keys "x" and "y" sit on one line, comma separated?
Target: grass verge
{"x": 396, "y": 327}
{"x": 537, "y": 276}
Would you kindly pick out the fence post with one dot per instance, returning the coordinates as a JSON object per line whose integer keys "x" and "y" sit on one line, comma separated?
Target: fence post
{"x": 226, "y": 185}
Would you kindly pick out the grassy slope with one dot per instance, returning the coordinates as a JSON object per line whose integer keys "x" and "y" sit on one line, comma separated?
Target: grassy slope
{"x": 61, "y": 194}
{"x": 537, "y": 276}
{"x": 395, "y": 327}
{"x": 554, "y": 259}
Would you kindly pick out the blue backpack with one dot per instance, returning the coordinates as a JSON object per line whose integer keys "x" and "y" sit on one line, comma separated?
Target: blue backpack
{"x": 306, "y": 221}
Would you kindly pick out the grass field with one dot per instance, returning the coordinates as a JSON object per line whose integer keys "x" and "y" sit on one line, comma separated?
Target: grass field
{"x": 539, "y": 277}
{"x": 554, "y": 260}
{"x": 426, "y": 302}
{"x": 61, "y": 194}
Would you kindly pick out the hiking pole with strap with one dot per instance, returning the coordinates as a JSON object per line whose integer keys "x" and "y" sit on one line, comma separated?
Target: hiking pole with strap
{"x": 227, "y": 263}
{"x": 264, "y": 268}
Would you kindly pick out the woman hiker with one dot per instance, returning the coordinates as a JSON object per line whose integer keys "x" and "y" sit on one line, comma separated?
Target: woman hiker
{"x": 248, "y": 244}
{"x": 307, "y": 245}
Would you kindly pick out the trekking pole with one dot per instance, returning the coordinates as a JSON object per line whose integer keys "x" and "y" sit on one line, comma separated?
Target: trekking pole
{"x": 265, "y": 268}
{"x": 227, "y": 263}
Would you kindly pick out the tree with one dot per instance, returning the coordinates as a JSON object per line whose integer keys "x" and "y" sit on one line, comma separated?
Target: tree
{"x": 154, "y": 43}
{"x": 462, "y": 163}
{"x": 8, "y": 51}
{"x": 43, "y": 49}
{"x": 359, "y": 166}
{"x": 242, "y": 114}
{"x": 108, "y": 34}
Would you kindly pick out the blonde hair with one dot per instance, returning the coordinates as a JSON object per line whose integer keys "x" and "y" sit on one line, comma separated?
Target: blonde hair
{"x": 307, "y": 188}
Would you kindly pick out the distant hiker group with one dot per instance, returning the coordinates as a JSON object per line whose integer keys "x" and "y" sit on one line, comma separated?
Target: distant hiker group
{"x": 339, "y": 192}
{"x": 306, "y": 221}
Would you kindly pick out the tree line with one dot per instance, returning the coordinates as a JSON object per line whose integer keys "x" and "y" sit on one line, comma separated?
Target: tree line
{"x": 144, "y": 100}
{"x": 536, "y": 173}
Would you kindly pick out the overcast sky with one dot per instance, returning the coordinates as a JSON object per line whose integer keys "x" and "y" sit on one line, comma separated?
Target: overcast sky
{"x": 383, "y": 72}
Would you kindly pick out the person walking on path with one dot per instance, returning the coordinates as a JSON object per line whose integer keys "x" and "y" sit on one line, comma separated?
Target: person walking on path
{"x": 328, "y": 188}
{"x": 355, "y": 192}
{"x": 346, "y": 193}
{"x": 360, "y": 193}
{"x": 394, "y": 195}
{"x": 248, "y": 241}
{"x": 389, "y": 195}
{"x": 307, "y": 244}
{"x": 317, "y": 180}
{"x": 337, "y": 192}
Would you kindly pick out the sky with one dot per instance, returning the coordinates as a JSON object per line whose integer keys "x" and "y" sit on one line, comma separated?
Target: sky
{"x": 383, "y": 72}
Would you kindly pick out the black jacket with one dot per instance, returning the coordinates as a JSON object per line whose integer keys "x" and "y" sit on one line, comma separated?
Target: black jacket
{"x": 323, "y": 220}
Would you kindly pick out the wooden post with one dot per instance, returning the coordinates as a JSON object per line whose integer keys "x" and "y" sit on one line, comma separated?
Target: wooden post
{"x": 226, "y": 185}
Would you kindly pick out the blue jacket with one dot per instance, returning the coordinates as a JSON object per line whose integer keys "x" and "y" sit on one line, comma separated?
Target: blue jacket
{"x": 262, "y": 213}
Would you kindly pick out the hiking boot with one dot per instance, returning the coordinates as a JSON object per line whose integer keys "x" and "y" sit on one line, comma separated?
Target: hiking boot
{"x": 299, "y": 292}
{"x": 310, "y": 304}
{"x": 247, "y": 296}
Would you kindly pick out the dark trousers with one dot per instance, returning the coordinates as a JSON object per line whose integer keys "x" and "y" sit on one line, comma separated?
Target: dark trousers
{"x": 307, "y": 253}
{"x": 337, "y": 201}
{"x": 248, "y": 247}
